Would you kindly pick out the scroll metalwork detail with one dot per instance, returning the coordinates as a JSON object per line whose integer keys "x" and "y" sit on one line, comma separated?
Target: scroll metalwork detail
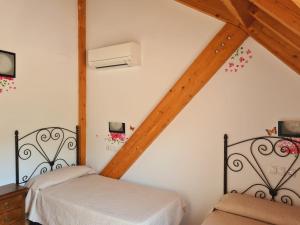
{"x": 37, "y": 142}
{"x": 260, "y": 194}
{"x": 261, "y": 148}
{"x": 286, "y": 200}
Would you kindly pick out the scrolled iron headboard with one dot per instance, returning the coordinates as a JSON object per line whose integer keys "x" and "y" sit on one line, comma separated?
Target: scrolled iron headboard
{"x": 267, "y": 146}
{"x": 35, "y": 141}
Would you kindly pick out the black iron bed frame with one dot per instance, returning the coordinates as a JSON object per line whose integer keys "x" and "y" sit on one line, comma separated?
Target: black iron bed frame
{"x": 268, "y": 146}
{"x": 65, "y": 137}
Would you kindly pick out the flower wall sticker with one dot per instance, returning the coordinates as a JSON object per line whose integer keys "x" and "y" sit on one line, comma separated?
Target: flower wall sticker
{"x": 7, "y": 84}
{"x": 286, "y": 146}
{"x": 291, "y": 147}
{"x": 116, "y": 138}
{"x": 239, "y": 60}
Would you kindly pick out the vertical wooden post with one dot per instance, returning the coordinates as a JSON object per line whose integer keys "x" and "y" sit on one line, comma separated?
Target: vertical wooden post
{"x": 82, "y": 78}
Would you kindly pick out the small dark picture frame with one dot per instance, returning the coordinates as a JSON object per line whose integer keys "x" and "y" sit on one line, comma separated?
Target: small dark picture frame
{"x": 7, "y": 64}
{"x": 116, "y": 127}
{"x": 289, "y": 128}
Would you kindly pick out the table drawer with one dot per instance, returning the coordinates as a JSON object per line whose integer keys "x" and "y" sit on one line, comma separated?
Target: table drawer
{"x": 11, "y": 203}
{"x": 12, "y": 217}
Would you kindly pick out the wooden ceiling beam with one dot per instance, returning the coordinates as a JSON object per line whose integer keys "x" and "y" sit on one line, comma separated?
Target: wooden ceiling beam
{"x": 278, "y": 28}
{"x": 277, "y": 45}
{"x": 281, "y": 11}
{"x": 213, "y": 8}
{"x": 240, "y": 9}
{"x": 222, "y": 46}
{"x": 297, "y": 2}
{"x": 291, "y": 4}
{"x": 81, "y": 5}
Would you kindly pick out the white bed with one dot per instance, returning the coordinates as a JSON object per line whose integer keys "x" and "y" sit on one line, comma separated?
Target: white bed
{"x": 74, "y": 196}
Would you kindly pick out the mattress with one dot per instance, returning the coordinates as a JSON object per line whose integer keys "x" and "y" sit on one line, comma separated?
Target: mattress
{"x": 98, "y": 200}
{"x": 238, "y": 209}
{"x": 224, "y": 218}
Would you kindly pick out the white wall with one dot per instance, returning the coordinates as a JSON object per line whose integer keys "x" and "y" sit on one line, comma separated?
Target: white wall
{"x": 43, "y": 34}
{"x": 187, "y": 156}
{"x": 170, "y": 35}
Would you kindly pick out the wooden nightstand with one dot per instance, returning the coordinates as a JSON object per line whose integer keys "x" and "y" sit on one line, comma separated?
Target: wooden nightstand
{"x": 12, "y": 204}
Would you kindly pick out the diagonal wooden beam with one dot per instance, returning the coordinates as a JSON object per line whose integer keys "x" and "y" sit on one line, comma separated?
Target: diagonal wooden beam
{"x": 81, "y": 4}
{"x": 291, "y": 4}
{"x": 281, "y": 11}
{"x": 297, "y": 2}
{"x": 277, "y": 28}
{"x": 213, "y": 8}
{"x": 275, "y": 44}
{"x": 228, "y": 39}
{"x": 240, "y": 10}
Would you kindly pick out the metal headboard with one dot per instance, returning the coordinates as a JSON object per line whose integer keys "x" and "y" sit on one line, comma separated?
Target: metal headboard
{"x": 267, "y": 146}
{"x": 35, "y": 141}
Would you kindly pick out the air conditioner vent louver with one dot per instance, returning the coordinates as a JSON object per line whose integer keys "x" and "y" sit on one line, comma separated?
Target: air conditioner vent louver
{"x": 117, "y": 65}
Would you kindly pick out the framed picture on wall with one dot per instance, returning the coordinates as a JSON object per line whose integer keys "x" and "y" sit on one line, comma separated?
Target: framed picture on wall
{"x": 7, "y": 64}
{"x": 117, "y": 127}
{"x": 289, "y": 128}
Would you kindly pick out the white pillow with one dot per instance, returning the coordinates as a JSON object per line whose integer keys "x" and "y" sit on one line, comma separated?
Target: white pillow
{"x": 58, "y": 176}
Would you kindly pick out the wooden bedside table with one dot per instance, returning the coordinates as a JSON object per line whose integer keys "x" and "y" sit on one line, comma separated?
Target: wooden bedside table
{"x": 12, "y": 204}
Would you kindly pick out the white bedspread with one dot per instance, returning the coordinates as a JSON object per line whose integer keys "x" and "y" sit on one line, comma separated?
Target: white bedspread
{"x": 97, "y": 200}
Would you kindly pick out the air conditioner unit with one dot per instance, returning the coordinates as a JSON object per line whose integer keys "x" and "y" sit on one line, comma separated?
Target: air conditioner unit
{"x": 121, "y": 55}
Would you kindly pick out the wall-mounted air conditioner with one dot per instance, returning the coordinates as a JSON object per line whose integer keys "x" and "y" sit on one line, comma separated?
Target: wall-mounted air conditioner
{"x": 121, "y": 55}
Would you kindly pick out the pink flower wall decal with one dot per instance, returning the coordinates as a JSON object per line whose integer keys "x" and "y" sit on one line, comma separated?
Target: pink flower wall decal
{"x": 116, "y": 138}
{"x": 7, "y": 84}
{"x": 238, "y": 60}
{"x": 291, "y": 147}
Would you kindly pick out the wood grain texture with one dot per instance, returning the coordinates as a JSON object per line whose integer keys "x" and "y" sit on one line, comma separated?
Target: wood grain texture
{"x": 12, "y": 204}
{"x": 278, "y": 28}
{"x": 240, "y": 10}
{"x": 275, "y": 44}
{"x": 228, "y": 39}
{"x": 297, "y": 2}
{"x": 82, "y": 79}
{"x": 283, "y": 11}
{"x": 213, "y": 8}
